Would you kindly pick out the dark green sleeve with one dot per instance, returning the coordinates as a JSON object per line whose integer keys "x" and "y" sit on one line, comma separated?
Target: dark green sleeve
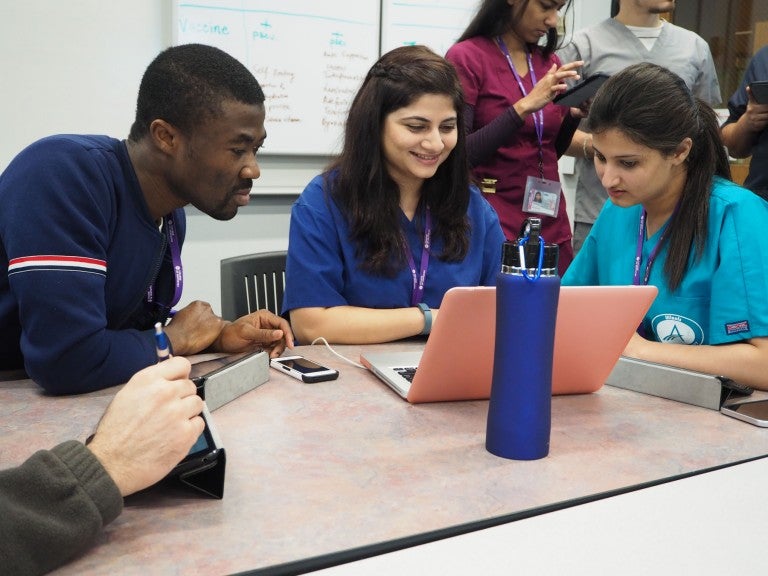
{"x": 52, "y": 508}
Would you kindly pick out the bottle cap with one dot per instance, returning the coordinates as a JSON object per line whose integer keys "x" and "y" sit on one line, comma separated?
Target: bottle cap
{"x": 531, "y": 241}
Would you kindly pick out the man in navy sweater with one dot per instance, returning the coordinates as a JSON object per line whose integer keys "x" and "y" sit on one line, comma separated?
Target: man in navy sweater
{"x": 91, "y": 229}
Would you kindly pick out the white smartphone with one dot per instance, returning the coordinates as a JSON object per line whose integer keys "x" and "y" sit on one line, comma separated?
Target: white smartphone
{"x": 753, "y": 411}
{"x": 303, "y": 369}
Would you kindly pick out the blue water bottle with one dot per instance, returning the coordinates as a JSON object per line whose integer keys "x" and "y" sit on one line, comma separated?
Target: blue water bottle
{"x": 527, "y": 293}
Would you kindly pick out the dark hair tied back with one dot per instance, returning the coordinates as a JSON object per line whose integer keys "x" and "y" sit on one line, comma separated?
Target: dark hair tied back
{"x": 652, "y": 106}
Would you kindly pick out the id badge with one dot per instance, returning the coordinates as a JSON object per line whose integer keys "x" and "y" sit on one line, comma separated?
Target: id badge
{"x": 541, "y": 196}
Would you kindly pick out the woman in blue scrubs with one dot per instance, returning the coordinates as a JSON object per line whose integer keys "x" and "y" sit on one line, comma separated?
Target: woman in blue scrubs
{"x": 377, "y": 239}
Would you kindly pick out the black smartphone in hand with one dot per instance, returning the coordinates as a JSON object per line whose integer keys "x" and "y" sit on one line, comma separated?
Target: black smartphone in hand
{"x": 759, "y": 89}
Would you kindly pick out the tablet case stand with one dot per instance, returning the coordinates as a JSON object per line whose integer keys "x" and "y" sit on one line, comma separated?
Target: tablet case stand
{"x": 697, "y": 388}
{"x": 204, "y": 471}
{"x": 233, "y": 381}
{"x": 210, "y": 480}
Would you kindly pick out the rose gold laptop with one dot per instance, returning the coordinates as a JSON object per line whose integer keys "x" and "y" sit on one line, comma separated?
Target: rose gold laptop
{"x": 594, "y": 324}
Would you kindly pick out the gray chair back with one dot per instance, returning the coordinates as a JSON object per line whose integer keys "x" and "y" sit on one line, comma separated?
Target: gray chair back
{"x": 252, "y": 282}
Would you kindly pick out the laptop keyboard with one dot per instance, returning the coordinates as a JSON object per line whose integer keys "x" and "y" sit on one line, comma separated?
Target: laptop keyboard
{"x": 408, "y": 372}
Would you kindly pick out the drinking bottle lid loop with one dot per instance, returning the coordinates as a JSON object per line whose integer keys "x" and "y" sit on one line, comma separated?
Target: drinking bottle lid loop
{"x": 522, "y": 242}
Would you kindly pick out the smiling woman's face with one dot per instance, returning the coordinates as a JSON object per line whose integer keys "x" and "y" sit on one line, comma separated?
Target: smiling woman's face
{"x": 418, "y": 138}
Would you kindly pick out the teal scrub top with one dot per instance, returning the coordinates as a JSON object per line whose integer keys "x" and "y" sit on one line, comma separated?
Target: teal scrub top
{"x": 723, "y": 297}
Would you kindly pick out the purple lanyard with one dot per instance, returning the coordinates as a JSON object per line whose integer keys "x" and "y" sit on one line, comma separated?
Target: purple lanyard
{"x": 654, "y": 251}
{"x": 421, "y": 277}
{"x": 178, "y": 272}
{"x": 538, "y": 117}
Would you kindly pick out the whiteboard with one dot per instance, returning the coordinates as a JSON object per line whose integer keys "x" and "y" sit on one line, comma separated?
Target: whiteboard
{"x": 309, "y": 57}
{"x": 434, "y": 23}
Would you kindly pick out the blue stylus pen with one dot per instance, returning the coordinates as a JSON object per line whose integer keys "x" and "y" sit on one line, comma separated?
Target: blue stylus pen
{"x": 161, "y": 343}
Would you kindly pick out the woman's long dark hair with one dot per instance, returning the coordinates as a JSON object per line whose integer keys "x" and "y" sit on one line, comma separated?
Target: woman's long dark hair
{"x": 364, "y": 190}
{"x": 652, "y": 106}
{"x": 494, "y": 17}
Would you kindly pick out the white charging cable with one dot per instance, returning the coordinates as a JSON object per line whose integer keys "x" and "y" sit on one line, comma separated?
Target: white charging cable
{"x": 347, "y": 360}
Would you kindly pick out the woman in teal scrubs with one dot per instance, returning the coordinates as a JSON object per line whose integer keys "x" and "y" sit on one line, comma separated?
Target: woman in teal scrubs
{"x": 676, "y": 221}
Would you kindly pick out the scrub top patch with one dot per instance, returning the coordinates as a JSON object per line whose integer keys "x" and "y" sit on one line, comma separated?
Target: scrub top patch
{"x": 737, "y": 327}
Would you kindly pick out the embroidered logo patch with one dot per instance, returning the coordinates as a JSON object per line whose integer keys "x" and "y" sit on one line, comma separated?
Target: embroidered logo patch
{"x": 737, "y": 327}
{"x": 675, "y": 329}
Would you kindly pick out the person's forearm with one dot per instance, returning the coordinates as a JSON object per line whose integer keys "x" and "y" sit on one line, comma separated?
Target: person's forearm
{"x": 106, "y": 358}
{"x": 482, "y": 144}
{"x": 745, "y": 362}
{"x": 738, "y": 138}
{"x": 54, "y": 505}
{"x": 581, "y": 146}
{"x": 355, "y": 325}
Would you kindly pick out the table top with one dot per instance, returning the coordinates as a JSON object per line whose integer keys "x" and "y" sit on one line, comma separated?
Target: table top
{"x": 702, "y": 524}
{"x": 316, "y": 469}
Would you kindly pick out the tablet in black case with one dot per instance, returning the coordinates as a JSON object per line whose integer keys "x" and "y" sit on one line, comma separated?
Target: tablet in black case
{"x": 221, "y": 380}
{"x": 203, "y": 468}
{"x": 582, "y": 91}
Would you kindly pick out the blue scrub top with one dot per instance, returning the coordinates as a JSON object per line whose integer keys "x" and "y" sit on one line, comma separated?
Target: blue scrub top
{"x": 322, "y": 269}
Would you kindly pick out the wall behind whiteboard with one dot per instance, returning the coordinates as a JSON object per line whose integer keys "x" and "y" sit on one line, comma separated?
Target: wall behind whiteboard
{"x": 74, "y": 66}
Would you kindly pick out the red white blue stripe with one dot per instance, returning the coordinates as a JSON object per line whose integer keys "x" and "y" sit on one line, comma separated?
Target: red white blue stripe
{"x": 57, "y": 262}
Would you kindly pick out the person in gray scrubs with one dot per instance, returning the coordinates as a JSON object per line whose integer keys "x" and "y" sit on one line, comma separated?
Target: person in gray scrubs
{"x": 636, "y": 33}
